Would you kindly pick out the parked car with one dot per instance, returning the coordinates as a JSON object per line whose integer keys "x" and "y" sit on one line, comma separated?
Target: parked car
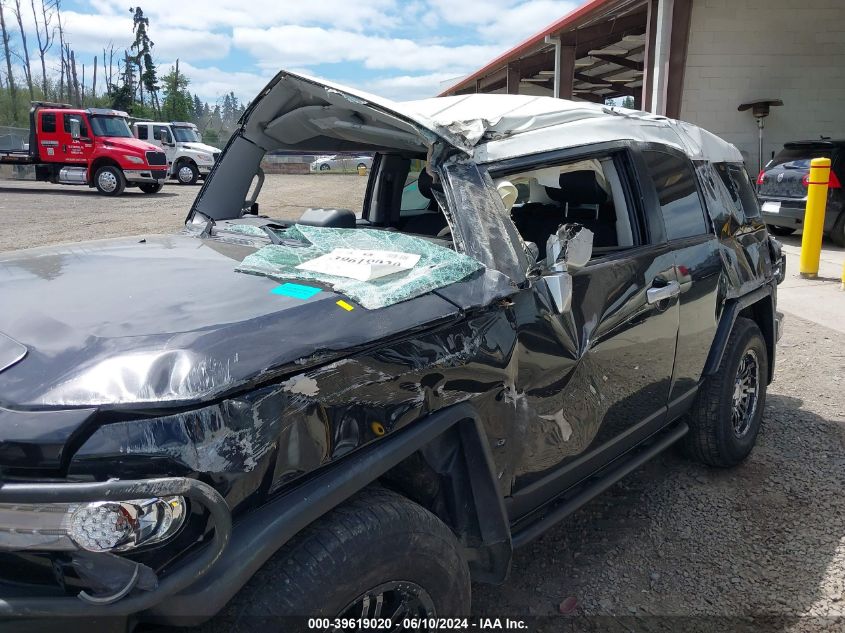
{"x": 370, "y": 412}
{"x": 92, "y": 147}
{"x": 782, "y": 188}
{"x": 188, "y": 158}
{"x": 339, "y": 162}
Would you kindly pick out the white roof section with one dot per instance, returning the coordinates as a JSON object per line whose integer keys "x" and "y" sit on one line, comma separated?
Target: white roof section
{"x": 513, "y": 125}
{"x": 299, "y": 112}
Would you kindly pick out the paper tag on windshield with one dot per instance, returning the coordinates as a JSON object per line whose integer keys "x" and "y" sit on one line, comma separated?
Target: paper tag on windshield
{"x": 363, "y": 265}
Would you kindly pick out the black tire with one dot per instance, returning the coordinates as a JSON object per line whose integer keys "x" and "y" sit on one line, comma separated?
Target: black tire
{"x": 109, "y": 180}
{"x": 150, "y": 187}
{"x": 186, "y": 173}
{"x": 782, "y": 231}
{"x": 714, "y": 439}
{"x": 325, "y": 167}
{"x": 376, "y": 537}
{"x": 837, "y": 233}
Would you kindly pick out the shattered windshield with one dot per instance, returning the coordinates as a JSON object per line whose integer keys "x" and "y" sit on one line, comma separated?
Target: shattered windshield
{"x": 114, "y": 126}
{"x": 374, "y": 268}
{"x": 185, "y": 135}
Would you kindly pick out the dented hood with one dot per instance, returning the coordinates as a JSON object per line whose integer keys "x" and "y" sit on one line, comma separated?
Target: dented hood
{"x": 296, "y": 111}
{"x": 167, "y": 321}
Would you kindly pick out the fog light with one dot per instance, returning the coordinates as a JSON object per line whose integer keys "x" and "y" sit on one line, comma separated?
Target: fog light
{"x": 101, "y": 526}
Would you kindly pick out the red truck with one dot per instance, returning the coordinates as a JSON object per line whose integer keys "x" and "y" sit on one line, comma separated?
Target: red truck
{"x": 93, "y": 147}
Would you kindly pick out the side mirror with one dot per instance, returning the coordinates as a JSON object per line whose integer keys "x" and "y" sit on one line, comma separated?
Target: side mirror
{"x": 566, "y": 251}
{"x": 75, "y": 129}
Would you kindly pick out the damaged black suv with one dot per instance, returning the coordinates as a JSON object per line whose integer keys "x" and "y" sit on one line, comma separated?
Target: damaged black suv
{"x": 356, "y": 413}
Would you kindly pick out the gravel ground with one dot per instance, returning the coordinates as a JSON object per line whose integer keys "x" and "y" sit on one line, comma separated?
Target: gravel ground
{"x": 762, "y": 541}
{"x": 37, "y": 214}
{"x": 757, "y": 547}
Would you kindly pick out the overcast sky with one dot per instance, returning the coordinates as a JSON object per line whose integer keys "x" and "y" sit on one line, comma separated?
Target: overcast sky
{"x": 397, "y": 48}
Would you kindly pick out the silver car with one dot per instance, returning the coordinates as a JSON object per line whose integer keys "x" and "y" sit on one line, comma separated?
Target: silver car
{"x": 342, "y": 163}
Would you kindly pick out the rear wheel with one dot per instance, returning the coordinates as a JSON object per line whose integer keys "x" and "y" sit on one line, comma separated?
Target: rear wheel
{"x": 725, "y": 419}
{"x": 110, "y": 180}
{"x": 325, "y": 167}
{"x": 378, "y": 555}
{"x": 187, "y": 173}
{"x": 783, "y": 231}
{"x": 151, "y": 187}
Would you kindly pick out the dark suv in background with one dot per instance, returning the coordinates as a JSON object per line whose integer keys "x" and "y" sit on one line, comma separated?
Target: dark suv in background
{"x": 782, "y": 188}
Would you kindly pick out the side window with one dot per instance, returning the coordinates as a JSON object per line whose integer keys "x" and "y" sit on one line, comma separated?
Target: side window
{"x": 48, "y": 122}
{"x": 67, "y": 118}
{"x": 589, "y": 192}
{"x": 680, "y": 202}
{"x": 736, "y": 181}
{"x": 142, "y": 132}
{"x": 160, "y": 130}
{"x": 416, "y": 196}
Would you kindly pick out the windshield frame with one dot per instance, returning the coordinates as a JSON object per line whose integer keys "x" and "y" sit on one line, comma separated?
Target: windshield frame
{"x": 96, "y": 126}
{"x": 182, "y": 129}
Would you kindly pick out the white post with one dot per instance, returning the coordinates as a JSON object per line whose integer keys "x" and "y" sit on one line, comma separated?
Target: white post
{"x": 556, "y": 42}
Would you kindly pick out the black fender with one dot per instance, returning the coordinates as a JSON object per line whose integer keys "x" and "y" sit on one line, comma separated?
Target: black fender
{"x": 761, "y": 304}
{"x": 261, "y": 533}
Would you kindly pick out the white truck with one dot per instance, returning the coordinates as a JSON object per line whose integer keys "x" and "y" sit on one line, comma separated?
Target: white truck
{"x": 188, "y": 158}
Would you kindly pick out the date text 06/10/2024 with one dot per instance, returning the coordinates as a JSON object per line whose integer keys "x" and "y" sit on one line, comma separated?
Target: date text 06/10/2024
{"x": 415, "y": 624}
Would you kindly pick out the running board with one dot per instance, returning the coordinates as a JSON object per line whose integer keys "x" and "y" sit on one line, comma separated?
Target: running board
{"x": 601, "y": 483}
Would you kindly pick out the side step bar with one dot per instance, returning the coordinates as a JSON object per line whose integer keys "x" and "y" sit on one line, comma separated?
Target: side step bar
{"x": 598, "y": 485}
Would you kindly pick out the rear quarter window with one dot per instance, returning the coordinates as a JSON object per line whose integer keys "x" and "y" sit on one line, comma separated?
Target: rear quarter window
{"x": 142, "y": 132}
{"x": 680, "y": 202}
{"x": 739, "y": 188}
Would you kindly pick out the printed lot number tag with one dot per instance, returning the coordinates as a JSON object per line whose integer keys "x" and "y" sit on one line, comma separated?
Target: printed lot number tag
{"x": 363, "y": 265}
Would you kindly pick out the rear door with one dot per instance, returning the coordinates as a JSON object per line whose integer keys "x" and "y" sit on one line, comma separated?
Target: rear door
{"x": 48, "y": 135}
{"x": 691, "y": 237}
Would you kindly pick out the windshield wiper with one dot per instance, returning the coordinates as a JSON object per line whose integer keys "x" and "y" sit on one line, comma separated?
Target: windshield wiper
{"x": 274, "y": 237}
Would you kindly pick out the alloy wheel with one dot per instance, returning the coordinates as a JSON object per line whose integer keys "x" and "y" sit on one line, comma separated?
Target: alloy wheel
{"x": 396, "y": 600}
{"x": 746, "y": 393}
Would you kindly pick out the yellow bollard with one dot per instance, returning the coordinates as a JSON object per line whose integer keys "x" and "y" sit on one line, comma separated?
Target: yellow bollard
{"x": 362, "y": 171}
{"x": 811, "y": 241}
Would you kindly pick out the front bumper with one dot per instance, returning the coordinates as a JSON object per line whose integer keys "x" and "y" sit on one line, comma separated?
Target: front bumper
{"x": 204, "y": 170}
{"x": 157, "y": 175}
{"x": 131, "y": 601}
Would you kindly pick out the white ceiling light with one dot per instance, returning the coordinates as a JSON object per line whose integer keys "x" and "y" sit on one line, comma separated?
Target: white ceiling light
{"x": 634, "y": 38}
{"x": 583, "y": 63}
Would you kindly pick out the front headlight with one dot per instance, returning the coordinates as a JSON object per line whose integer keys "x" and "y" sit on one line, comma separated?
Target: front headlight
{"x": 99, "y": 526}
{"x": 136, "y": 160}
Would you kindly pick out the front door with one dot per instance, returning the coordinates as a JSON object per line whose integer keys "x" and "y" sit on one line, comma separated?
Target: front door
{"x": 164, "y": 139}
{"x": 594, "y": 376}
{"x": 75, "y": 142}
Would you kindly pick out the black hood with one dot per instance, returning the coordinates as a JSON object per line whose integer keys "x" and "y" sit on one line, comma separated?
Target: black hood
{"x": 167, "y": 321}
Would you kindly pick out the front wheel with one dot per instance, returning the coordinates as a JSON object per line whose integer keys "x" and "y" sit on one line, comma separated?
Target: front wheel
{"x": 378, "y": 555}
{"x": 726, "y": 416}
{"x": 325, "y": 167}
{"x": 187, "y": 173}
{"x": 151, "y": 187}
{"x": 110, "y": 180}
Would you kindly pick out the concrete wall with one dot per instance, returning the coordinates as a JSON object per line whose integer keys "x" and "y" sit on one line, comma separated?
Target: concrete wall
{"x": 743, "y": 50}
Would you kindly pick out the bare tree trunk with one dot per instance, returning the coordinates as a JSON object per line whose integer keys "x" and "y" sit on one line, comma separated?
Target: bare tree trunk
{"x": 10, "y": 78}
{"x": 82, "y": 99}
{"x": 45, "y": 35}
{"x": 94, "y": 83}
{"x": 26, "y": 68}
{"x": 75, "y": 79}
{"x": 63, "y": 60}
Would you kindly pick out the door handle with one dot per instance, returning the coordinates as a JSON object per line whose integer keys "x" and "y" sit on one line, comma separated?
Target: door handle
{"x": 656, "y": 294}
